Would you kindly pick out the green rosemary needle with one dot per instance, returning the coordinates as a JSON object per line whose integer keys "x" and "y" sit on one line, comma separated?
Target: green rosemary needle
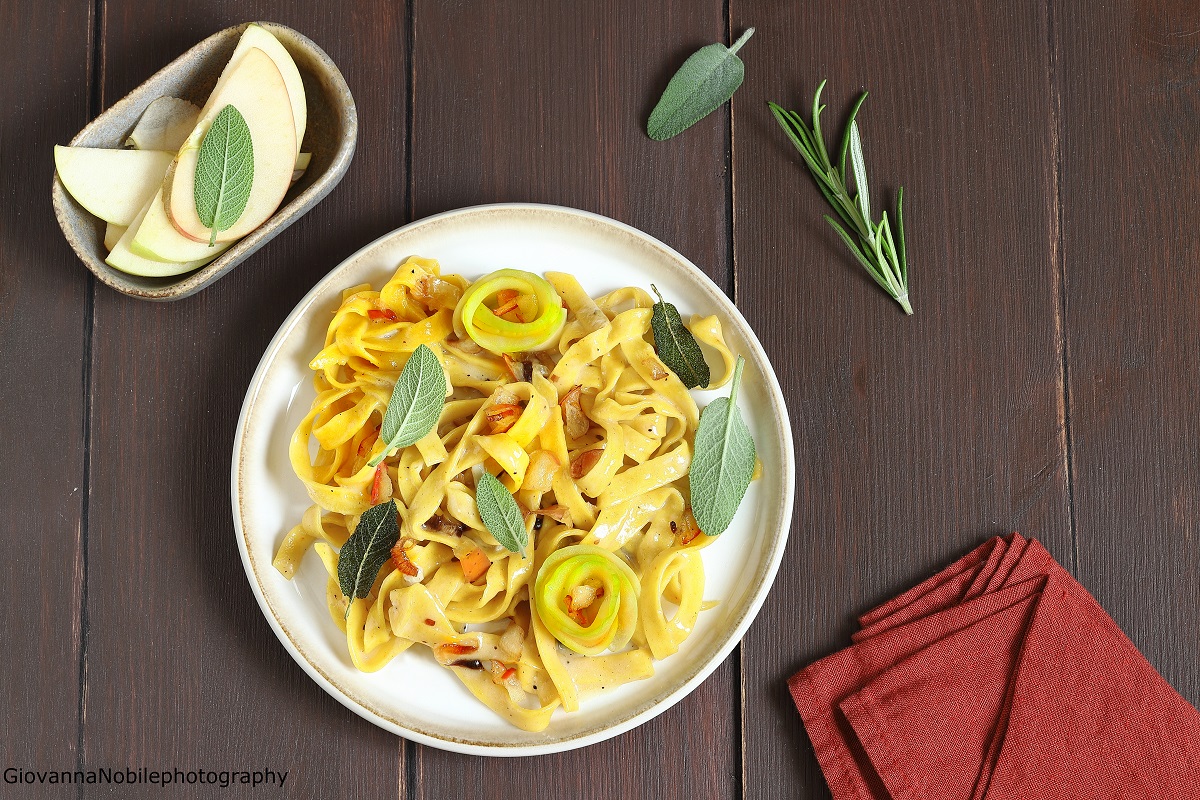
{"x": 874, "y": 245}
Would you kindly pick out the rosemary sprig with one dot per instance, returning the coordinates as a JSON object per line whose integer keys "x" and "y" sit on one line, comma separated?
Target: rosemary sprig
{"x": 875, "y": 247}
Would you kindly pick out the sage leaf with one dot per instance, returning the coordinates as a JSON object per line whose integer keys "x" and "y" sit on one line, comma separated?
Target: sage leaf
{"x": 364, "y": 553}
{"x": 723, "y": 462}
{"x": 675, "y": 344}
{"x": 416, "y": 402}
{"x": 224, "y": 172}
{"x": 500, "y": 514}
{"x": 704, "y": 83}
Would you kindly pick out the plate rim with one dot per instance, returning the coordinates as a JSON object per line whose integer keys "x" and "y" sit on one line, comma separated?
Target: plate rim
{"x": 750, "y": 611}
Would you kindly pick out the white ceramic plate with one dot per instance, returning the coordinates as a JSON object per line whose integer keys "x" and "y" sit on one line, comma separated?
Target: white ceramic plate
{"x": 413, "y": 696}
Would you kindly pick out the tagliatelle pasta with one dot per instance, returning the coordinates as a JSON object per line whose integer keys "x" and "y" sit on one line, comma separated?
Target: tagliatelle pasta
{"x": 591, "y": 433}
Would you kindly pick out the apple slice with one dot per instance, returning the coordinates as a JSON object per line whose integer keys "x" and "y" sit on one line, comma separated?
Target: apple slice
{"x": 302, "y": 161}
{"x": 256, "y": 89}
{"x": 156, "y": 238}
{"x": 112, "y": 184}
{"x": 164, "y": 125}
{"x": 126, "y": 260}
{"x": 257, "y": 37}
{"x": 113, "y": 234}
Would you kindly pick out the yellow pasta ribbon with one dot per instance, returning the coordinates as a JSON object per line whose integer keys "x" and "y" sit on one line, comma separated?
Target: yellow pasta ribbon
{"x": 685, "y": 567}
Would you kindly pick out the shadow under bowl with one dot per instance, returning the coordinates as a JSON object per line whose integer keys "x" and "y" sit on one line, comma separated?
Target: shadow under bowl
{"x": 330, "y": 136}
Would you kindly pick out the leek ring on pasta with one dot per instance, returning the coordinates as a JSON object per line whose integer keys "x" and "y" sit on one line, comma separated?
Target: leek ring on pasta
{"x": 491, "y": 332}
{"x": 609, "y": 615}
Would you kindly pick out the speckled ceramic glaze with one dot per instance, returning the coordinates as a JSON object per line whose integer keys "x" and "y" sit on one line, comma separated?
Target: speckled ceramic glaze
{"x": 413, "y": 696}
{"x": 330, "y": 136}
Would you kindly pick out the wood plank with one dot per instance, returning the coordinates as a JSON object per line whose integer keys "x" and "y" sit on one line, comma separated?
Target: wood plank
{"x": 530, "y": 101}
{"x": 44, "y": 99}
{"x": 182, "y": 669}
{"x": 916, "y": 437}
{"x": 1130, "y": 167}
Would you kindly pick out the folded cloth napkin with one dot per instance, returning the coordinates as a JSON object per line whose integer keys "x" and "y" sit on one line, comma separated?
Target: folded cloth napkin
{"x": 1000, "y": 678}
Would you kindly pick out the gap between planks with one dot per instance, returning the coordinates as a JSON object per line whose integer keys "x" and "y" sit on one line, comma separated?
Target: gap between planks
{"x": 1059, "y": 264}
{"x": 95, "y": 95}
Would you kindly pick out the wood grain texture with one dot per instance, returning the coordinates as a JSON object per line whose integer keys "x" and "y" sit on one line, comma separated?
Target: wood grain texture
{"x": 1049, "y": 156}
{"x": 44, "y": 97}
{"x": 547, "y": 102}
{"x": 182, "y": 669}
{"x": 916, "y": 437}
{"x": 1129, "y": 82}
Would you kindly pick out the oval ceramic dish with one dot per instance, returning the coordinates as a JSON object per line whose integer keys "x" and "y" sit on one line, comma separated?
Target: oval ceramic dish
{"x": 413, "y": 696}
{"x": 330, "y": 136}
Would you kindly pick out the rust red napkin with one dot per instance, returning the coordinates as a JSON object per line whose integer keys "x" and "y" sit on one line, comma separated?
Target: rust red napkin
{"x": 999, "y": 678}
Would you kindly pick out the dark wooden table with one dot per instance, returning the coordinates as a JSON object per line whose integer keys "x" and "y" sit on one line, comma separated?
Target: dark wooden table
{"x": 1049, "y": 381}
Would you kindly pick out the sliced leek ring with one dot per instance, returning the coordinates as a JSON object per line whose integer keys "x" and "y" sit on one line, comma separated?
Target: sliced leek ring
{"x": 475, "y": 319}
{"x": 616, "y": 609}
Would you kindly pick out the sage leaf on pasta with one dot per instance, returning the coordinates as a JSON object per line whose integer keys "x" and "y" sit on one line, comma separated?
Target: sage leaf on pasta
{"x": 675, "y": 344}
{"x": 500, "y": 514}
{"x": 364, "y": 553}
{"x": 416, "y": 403}
{"x": 224, "y": 172}
{"x": 703, "y": 84}
{"x": 723, "y": 461}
